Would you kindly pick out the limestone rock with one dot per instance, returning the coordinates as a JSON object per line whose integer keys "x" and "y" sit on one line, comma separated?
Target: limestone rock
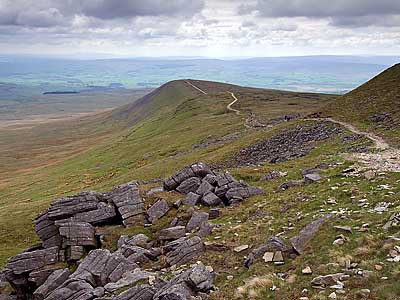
{"x": 57, "y": 278}
{"x": 211, "y": 199}
{"x": 204, "y": 188}
{"x": 189, "y": 185}
{"x": 300, "y": 241}
{"x": 187, "y": 284}
{"x": 129, "y": 203}
{"x": 312, "y": 177}
{"x": 101, "y": 267}
{"x": 100, "y": 216}
{"x": 157, "y": 210}
{"x": 172, "y": 233}
{"x": 76, "y": 233}
{"x": 186, "y": 251}
{"x": 273, "y": 244}
{"x": 195, "y": 222}
{"x": 192, "y": 199}
{"x": 140, "y": 292}
{"x": 128, "y": 279}
{"x": 29, "y": 261}
{"x": 329, "y": 280}
{"x": 72, "y": 289}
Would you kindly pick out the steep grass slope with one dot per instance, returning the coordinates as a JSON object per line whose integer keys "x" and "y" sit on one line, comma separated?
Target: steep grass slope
{"x": 374, "y": 106}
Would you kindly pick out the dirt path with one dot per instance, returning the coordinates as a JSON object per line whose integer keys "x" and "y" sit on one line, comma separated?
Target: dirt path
{"x": 195, "y": 87}
{"x": 386, "y": 160}
{"x": 229, "y": 107}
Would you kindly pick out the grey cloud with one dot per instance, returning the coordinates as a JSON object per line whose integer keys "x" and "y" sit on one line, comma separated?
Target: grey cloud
{"x": 342, "y": 12}
{"x": 47, "y": 13}
{"x": 107, "y": 9}
{"x": 363, "y": 21}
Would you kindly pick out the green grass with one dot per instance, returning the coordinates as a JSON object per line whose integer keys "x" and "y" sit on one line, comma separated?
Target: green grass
{"x": 379, "y": 95}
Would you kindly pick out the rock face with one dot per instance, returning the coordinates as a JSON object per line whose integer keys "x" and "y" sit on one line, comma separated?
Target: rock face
{"x": 18, "y": 269}
{"x": 210, "y": 188}
{"x": 129, "y": 204}
{"x": 57, "y": 278}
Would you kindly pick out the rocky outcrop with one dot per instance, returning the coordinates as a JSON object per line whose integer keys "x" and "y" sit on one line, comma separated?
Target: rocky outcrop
{"x": 128, "y": 202}
{"x": 19, "y": 268}
{"x": 72, "y": 231}
{"x": 210, "y": 188}
{"x": 56, "y": 279}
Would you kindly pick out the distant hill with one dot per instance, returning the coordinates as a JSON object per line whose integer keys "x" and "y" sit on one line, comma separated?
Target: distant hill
{"x": 374, "y": 105}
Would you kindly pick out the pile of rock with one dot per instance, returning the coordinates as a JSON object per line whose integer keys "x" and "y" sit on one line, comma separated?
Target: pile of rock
{"x": 69, "y": 222}
{"x": 289, "y": 144}
{"x": 204, "y": 186}
{"x": 71, "y": 235}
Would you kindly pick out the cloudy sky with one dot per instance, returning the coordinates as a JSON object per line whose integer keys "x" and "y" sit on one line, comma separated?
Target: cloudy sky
{"x": 215, "y": 28}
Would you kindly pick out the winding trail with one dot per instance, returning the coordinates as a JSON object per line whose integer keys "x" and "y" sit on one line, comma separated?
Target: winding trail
{"x": 386, "y": 160}
{"x": 229, "y": 106}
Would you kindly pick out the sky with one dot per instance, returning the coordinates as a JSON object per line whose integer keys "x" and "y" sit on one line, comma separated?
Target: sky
{"x": 210, "y": 28}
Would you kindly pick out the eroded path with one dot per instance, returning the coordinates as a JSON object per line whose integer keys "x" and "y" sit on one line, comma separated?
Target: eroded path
{"x": 387, "y": 159}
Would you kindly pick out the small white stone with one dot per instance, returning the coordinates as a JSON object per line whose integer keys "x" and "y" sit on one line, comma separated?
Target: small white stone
{"x": 268, "y": 256}
{"x": 332, "y": 295}
{"x": 241, "y": 248}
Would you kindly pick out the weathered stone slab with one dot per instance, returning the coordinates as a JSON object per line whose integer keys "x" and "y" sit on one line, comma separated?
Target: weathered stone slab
{"x": 100, "y": 216}
{"x": 273, "y": 244}
{"x": 140, "y": 240}
{"x": 192, "y": 199}
{"x": 197, "y": 219}
{"x": 300, "y": 241}
{"x": 172, "y": 233}
{"x": 129, "y": 203}
{"x": 57, "y": 278}
{"x": 187, "y": 284}
{"x": 189, "y": 185}
{"x": 128, "y": 279}
{"x": 69, "y": 206}
{"x": 72, "y": 289}
{"x": 157, "y": 210}
{"x": 101, "y": 267}
{"x": 186, "y": 251}
{"x": 204, "y": 188}
{"x": 29, "y": 261}
{"x": 76, "y": 233}
{"x": 211, "y": 199}
{"x": 141, "y": 292}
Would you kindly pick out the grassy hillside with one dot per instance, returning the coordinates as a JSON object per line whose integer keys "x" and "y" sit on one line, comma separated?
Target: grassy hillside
{"x": 375, "y": 105}
{"x": 146, "y": 139}
{"x": 177, "y": 125}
